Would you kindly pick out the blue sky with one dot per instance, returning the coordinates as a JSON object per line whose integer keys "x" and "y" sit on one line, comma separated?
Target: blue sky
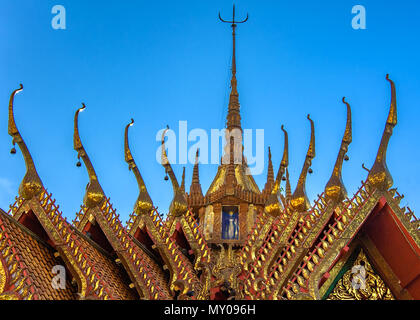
{"x": 166, "y": 61}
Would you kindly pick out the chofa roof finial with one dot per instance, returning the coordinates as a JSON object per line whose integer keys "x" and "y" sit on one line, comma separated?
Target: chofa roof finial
{"x": 144, "y": 203}
{"x": 379, "y": 175}
{"x": 299, "y": 200}
{"x": 272, "y": 205}
{"x": 284, "y": 162}
{"x": 335, "y": 190}
{"x": 179, "y": 202}
{"x": 94, "y": 194}
{"x": 31, "y": 184}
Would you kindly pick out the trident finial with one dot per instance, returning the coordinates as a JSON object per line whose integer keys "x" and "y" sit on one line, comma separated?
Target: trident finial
{"x": 233, "y": 18}
{"x": 233, "y": 116}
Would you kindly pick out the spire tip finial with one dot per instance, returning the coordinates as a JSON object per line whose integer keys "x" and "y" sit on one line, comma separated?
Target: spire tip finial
{"x": 144, "y": 203}
{"x": 94, "y": 194}
{"x": 31, "y": 184}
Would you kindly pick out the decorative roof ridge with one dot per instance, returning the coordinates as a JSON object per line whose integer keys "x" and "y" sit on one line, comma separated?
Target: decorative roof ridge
{"x": 70, "y": 240}
{"x": 131, "y": 253}
{"x": 327, "y": 246}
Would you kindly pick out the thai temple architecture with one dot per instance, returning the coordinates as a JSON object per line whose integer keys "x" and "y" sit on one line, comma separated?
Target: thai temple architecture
{"x": 234, "y": 241}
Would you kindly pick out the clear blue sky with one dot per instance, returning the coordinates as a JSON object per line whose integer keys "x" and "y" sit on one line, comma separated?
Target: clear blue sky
{"x": 164, "y": 61}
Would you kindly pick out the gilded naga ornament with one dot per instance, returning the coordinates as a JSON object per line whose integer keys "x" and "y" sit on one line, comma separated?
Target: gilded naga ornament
{"x": 94, "y": 194}
{"x": 144, "y": 203}
{"x": 299, "y": 200}
{"x": 335, "y": 190}
{"x": 31, "y": 184}
{"x": 179, "y": 202}
{"x": 272, "y": 205}
{"x": 379, "y": 175}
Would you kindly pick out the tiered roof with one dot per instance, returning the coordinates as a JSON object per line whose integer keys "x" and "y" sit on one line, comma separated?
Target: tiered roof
{"x": 294, "y": 250}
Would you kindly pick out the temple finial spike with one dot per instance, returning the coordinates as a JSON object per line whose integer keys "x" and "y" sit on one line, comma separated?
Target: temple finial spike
{"x": 166, "y": 164}
{"x": 299, "y": 200}
{"x": 272, "y": 204}
{"x": 379, "y": 175}
{"x": 233, "y": 118}
{"x": 335, "y": 190}
{"x": 94, "y": 194}
{"x": 144, "y": 203}
{"x": 284, "y": 162}
{"x": 31, "y": 184}
{"x": 179, "y": 202}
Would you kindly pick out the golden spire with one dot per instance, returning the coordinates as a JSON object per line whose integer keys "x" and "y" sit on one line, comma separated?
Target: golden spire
{"x": 144, "y": 203}
{"x": 179, "y": 202}
{"x": 233, "y": 118}
{"x": 335, "y": 190}
{"x": 299, "y": 200}
{"x": 94, "y": 194}
{"x": 31, "y": 184}
{"x": 379, "y": 175}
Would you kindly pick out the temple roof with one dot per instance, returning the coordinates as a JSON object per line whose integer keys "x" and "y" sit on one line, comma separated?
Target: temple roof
{"x": 294, "y": 250}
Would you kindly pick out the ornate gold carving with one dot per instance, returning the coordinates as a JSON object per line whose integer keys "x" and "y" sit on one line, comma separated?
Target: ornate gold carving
{"x": 226, "y": 271}
{"x": 3, "y": 278}
{"x": 355, "y": 217}
{"x": 208, "y": 222}
{"x": 372, "y": 287}
{"x": 405, "y": 215}
{"x": 218, "y": 181}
